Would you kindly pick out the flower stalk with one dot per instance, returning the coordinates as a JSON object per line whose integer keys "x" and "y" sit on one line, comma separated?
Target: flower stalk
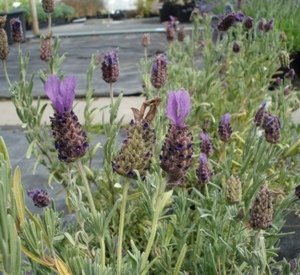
{"x": 121, "y": 225}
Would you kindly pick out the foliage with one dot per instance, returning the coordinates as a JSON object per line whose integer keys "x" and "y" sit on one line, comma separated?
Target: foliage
{"x": 85, "y": 8}
{"x": 62, "y": 11}
{"x": 145, "y": 226}
{"x": 285, "y": 15}
{"x": 144, "y": 8}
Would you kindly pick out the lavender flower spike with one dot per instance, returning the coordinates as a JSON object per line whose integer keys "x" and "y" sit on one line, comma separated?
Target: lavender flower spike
{"x": 225, "y": 128}
{"x": 61, "y": 93}
{"x": 178, "y": 106}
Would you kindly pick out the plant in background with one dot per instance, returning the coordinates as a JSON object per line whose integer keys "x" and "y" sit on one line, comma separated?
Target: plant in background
{"x": 152, "y": 215}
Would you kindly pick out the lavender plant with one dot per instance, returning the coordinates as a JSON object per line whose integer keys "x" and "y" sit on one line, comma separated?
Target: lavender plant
{"x": 175, "y": 204}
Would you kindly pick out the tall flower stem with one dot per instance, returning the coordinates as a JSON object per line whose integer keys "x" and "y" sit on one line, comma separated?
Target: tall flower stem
{"x": 102, "y": 244}
{"x": 49, "y": 22}
{"x": 256, "y": 248}
{"x": 87, "y": 188}
{"x": 121, "y": 225}
{"x": 145, "y": 53}
{"x": 5, "y": 73}
{"x": 151, "y": 240}
{"x": 111, "y": 90}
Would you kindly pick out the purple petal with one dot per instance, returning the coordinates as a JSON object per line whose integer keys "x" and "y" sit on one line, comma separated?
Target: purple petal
{"x": 172, "y": 18}
{"x": 178, "y": 106}
{"x": 204, "y": 137}
{"x": 172, "y": 106}
{"x": 225, "y": 118}
{"x": 239, "y": 16}
{"x": 67, "y": 90}
{"x": 264, "y": 104}
{"x": 52, "y": 90}
{"x": 203, "y": 158}
{"x": 184, "y": 102}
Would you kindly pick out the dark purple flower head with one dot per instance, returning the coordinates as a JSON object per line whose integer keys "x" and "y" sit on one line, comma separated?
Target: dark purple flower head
{"x": 225, "y": 129}
{"x": 39, "y": 197}
{"x": 236, "y": 47}
{"x": 111, "y": 58}
{"x": 226, "y": 118}
{"x": 16, "y": 30}
{"x": 239, "y": 16}
{"x": 178, "y": 106}
{"x": 61, "y": 93}
{"x": 248, "y": 23}
{"x": 159, "y": 58}
{"x": 16, "y": 24}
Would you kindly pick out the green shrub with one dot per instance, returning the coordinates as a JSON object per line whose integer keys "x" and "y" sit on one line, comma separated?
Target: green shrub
{"x": 285, "y": 14}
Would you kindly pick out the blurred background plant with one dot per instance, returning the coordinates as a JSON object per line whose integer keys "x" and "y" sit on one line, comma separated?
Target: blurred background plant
{"x": 133, "y": 225}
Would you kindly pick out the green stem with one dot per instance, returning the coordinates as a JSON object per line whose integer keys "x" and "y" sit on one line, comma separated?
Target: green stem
{"x": 49, "y": 22}
{"x": 256, "y": 248}
{"x": 87, "y": 188}
{"x": 5, "y": 73}
{"x": 121, "y": 225}
{"x": 151, "y": 239}
{"x": 102, "y": 243}
{"x": 111, "y": 94}
{"x": 145, "y": 53}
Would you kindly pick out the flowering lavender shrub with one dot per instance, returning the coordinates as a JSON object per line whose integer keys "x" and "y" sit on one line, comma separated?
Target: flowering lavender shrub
{"x": 176, "y": 204}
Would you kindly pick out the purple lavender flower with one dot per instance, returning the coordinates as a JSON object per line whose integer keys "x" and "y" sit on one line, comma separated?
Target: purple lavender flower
{"x": 248, "y": 23}
{"x": 272, "y": 126}
{"x": 239, "y": 16}
{"x": 39, "y": 197}
{"x": 16, "y": 30}
{"x": 206, "y": 146}
{"x": 110, "y": 67}
{"x": 159, "y": 75}
{"x": 61, "y": 93}
{"x": 236, "y": 47}
{"x": 173, "y": 21}
{"x": 260, "y": 115}
{"x": 178, "y": 106}
{"x": 70, "y": 139}
{"x": 177, "y": 150}
{"x": 269, "y": 26}
{"x": 204, "y": 174}
{"x": 225, "y": 128}
{"x": 230, "y": 20}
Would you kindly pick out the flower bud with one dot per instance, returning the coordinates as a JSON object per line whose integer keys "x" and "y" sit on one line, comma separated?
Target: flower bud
{"x": 225, "y": 130}
{"x": 248, "y": 23}
{"x": 110, "y": 67}
{"x": 260, "y": 115}
{"x": 137, "y": 150}
{"x": 46, "y": 48}
{"x": 181, "y": 34}
{"x": 203, "y": 172}
{"x": 234, "y": 189}
{"x": 284, "y": 59}
{"x": 261, "y": 213}
{"x": 39, "y": 197}
{"x": 272, "y": 126}
{"x": 235, "y": 47}
{"x": 206, "y": 146}
{"x": 146, "y": 40}
{"x": 16, "y": 30}
{"x": 48, "y": 6}
{"x": 159, "y": 73}
{"x": 4, "y": 48}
